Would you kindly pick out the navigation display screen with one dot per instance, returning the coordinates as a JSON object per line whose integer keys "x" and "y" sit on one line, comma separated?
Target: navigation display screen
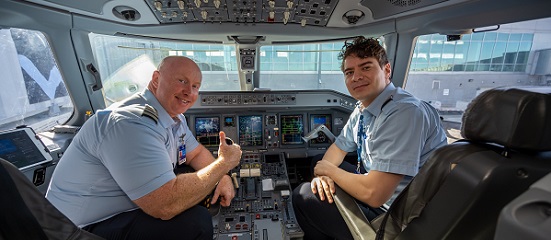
{"x": 292, "y": 129}
{"x": 229, "y": 121}
{"x": 250, "y": 130}
{"x": 315, "y": 121}
{"x": 206, "y": 131}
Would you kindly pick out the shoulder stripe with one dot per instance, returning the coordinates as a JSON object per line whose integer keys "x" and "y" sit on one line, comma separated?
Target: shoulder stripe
{"x": 151, "y": 112}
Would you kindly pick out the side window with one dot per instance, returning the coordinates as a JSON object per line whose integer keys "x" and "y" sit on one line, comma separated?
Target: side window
{"x": 450, "y": 74}
{"x": 33, "y": 92}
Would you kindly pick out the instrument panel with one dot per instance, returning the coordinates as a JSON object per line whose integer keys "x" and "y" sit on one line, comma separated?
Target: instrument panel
{"x": 262, "y": 207}
{"x": 256, "y": 130}
{"x": 277, "y": 131}
{"x": 272, "y": 121}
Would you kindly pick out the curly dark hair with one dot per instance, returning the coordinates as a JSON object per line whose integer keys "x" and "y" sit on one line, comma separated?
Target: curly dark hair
{"x": 363, "y": 48}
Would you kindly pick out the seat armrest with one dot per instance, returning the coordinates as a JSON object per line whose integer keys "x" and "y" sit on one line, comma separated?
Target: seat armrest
{"x": 357, "y": 223}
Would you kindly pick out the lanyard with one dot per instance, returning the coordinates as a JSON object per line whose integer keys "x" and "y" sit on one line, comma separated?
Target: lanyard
{"x": 362, "y": 133}
{"x": 361, "y": 137}
{"x": 181, "y": 158}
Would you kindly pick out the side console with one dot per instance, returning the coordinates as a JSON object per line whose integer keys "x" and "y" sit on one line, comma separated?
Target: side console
{"x": 23, "y": 148}
{"x": 262, "y": 207}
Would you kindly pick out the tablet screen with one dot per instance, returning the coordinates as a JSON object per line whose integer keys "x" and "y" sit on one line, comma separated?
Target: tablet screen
{"x": 22, "y": 149}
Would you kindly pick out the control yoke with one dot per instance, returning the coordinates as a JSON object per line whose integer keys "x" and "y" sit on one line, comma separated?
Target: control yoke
{"x": 314, "y": 133}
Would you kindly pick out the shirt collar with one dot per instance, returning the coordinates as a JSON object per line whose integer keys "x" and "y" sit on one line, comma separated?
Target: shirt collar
{"x": 376, "y": 106}
{"x": 164, "y": 117}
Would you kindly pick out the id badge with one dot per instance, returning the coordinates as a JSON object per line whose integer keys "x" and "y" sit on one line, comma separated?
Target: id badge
{"x": 182, "y": 151}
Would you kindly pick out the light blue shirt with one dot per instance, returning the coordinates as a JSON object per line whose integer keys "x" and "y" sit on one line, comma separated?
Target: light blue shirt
{"x": 117, "y": 156}
{"x": 401, "y": 132}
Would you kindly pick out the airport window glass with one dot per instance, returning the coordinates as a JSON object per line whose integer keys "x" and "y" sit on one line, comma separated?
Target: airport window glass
{"x": 459, "y": 55}
{"x": 481, "y": 61}
{"x": 486, "y": 52}
{"x": 520, "y": 68}
{"x": 515, "y": 37}
{"x": 524, "y": 47}
{"x": 473, "y": 53}
{"x": 483, "y": 67}
{"x": 499, "y": 52}
{"x": 434, "y": 53}
{"x": 477, "y": 37}
{"x": 33, "y": 92}
{"x": 490, "y": 36}
{"x": 126, "y": 64}
{"x": 503, "y": 37}
{"x": 522, "y": 58}
{"x": 527, "y": 37}
{"x": 512, "y": 51}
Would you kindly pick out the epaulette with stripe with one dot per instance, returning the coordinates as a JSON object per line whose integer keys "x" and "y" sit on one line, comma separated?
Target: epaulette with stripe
{"x": 151, "y": 112}
{"x": 141, "y": 110}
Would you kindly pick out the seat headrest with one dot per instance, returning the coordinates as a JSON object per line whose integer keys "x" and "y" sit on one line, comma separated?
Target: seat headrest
{"x": 517, "y": 118}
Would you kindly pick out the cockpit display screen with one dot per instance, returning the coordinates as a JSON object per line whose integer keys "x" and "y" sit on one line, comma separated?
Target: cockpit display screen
{"x": 292, "y": 129}
{"x": 206, "y": 130}
{"x": 317, "y": 120}
{"x": 250, "y": 130}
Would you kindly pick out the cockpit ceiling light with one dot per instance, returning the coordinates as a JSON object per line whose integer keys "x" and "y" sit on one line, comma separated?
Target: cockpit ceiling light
{"x": 353, "y": 16}
{"x": 126, "y": 13}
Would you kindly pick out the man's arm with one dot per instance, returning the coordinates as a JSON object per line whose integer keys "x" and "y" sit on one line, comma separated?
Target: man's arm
{"x": 186, "y": 190}
{"x": 334, "y": 155}
{"x": 374, "y": 188}
{"x": 321, "y": 185}
{"x": 225, "y": 189}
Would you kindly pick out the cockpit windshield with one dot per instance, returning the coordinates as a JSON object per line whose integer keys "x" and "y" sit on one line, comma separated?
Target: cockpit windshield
{"x": 302, "y": 67}
{"x": 126, "y": 65}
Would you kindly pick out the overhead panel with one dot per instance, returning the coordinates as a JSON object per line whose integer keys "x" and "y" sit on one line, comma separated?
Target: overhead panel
{"x": 304, "y": 12}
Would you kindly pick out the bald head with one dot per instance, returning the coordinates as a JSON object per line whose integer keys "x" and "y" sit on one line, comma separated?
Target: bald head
{"x": 172, "y": 62}
{"x": 176, "y": 84}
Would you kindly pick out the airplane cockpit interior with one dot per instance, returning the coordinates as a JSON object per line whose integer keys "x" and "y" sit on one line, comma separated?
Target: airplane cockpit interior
{"x": 272, "y": 80}
{"x": 279, "y": 133}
